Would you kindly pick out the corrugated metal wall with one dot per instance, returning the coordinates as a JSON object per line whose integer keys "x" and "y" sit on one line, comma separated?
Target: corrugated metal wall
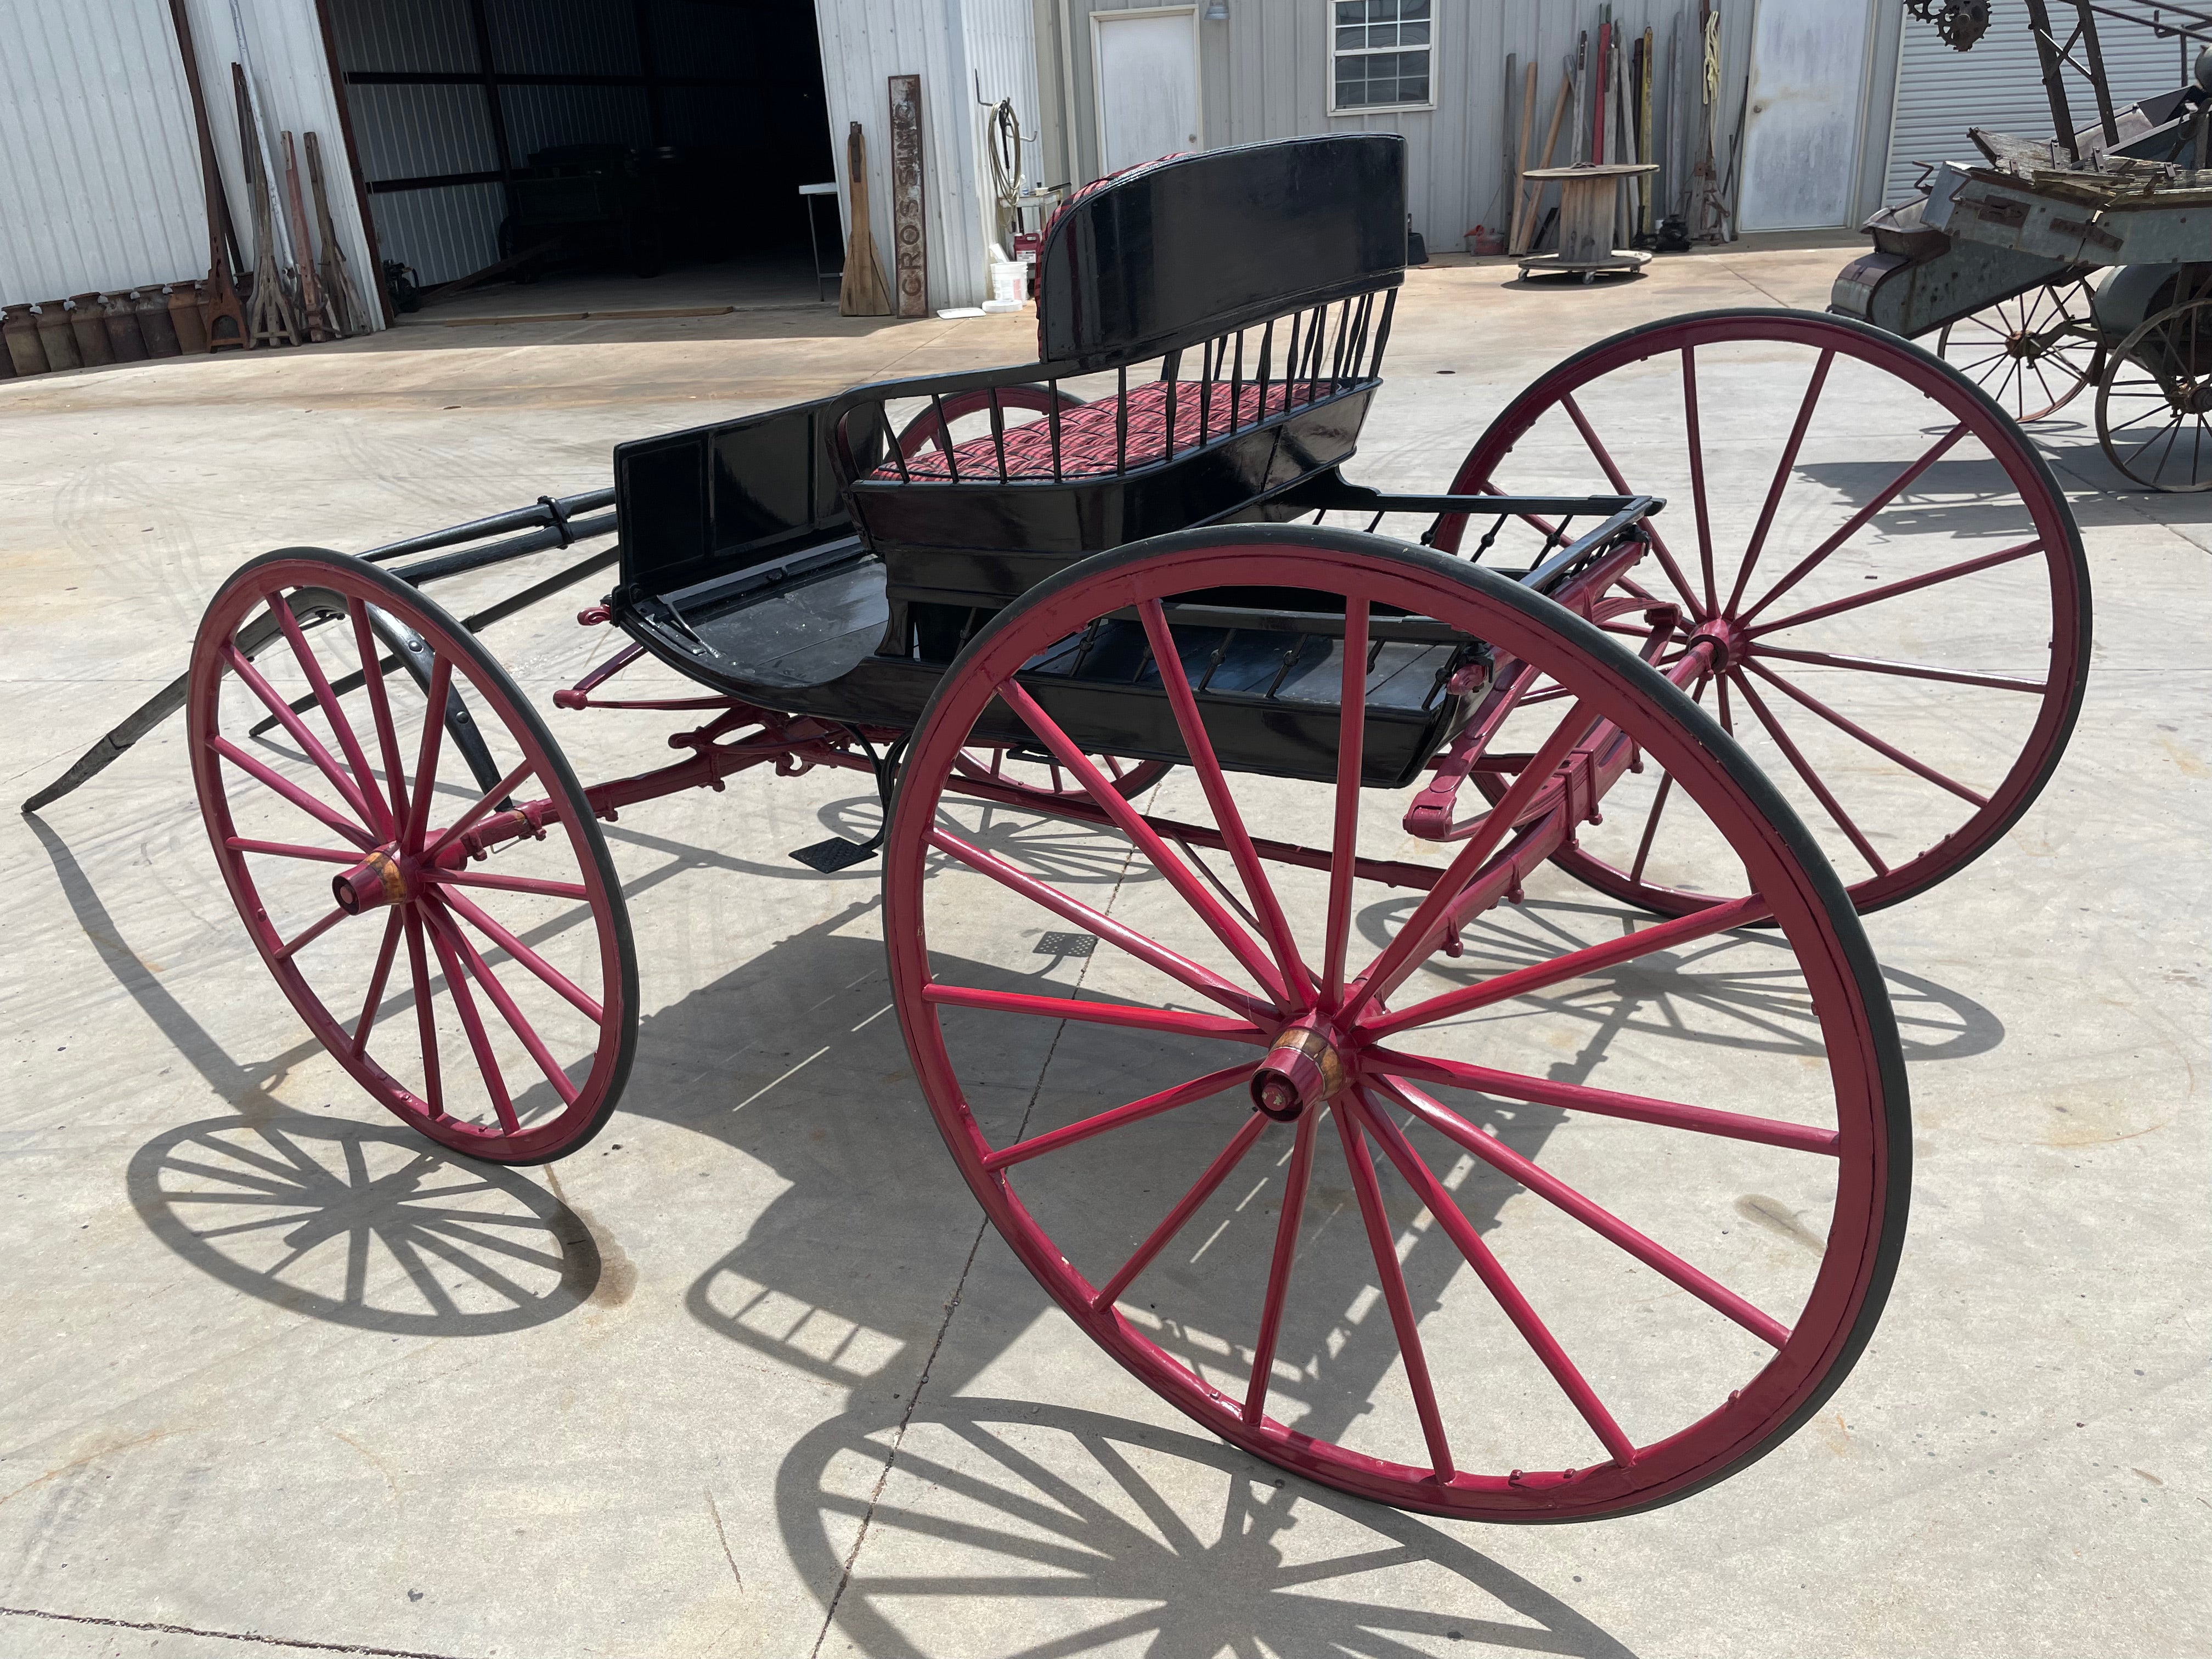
{"x": 101, "y": 186}
{"x": 1264, "y": 73}
{"x": 1999, "y": 84}
{"x": 949, "y": 43}
{"x": 1002, "y": 60}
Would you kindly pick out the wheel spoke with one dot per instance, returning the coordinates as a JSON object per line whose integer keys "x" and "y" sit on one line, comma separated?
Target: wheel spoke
{"x": 1125, "y": 818}
{"x": 1176, "y": 966}
{"x": 1606, "y": 1102}
{"x": 425, "y": 782}
{"x": 567, "y": 890}
{"x": 1199, "y": 745}
{"x": 1612, "y": 477}
{"x": 1857, "y": 521}
{"x": 1853, "y": 729}
{"x": 483, "y": 804}
{"x": 1383, "y": 1244}
{"x": 1098, "y": 1013}
{"x": 1757, "y": 542}
{"x": 325, "y": 816}
{"x": 1651, "y": 826}
{"x": 1352, "y": 733}
{"x": 341, "y": 727}
{"x": 1909, "y": 670}
{"x": 553, "y": 978}
{"x": 1279, "y": 1269}
{"x": 286, "y": 849}
{"x": 1183, "y": 1094}
{"x": 1502, "y": 1290}
{"x": 1590, "y": 959}
{"x": 471, "y": 1021}
{"x": 1600, "y": 1220}
{"x": 310, "y": 745}
{"x": 426, "y": 1023}
{"x": 442, "y": 927}
{"x": 367, "y": 1023}
{"x": 1224, "y": 1162}
{"x": 291, "y": 947}
{"x": 379, "y": 708}
{"x": 1813, "y": 779}
{"x": 1419, "y": 937}
{"x": 1694, "y": 441}
{"x": 1893, "y": 590}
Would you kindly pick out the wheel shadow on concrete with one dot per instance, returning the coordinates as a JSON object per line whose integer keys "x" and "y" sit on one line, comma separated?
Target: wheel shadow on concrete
{"x": 852, "y": 1272}
{"x": 1075, "y": 1531}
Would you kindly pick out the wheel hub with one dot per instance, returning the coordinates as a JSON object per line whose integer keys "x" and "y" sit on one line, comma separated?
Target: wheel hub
{"x": 381, "y": 878}
{"x": 1303, "y": 1068}
{"x": 1729, "y": 643}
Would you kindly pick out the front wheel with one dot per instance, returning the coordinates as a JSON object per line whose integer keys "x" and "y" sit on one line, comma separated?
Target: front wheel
{"x": 460, "y": 948}
{"x": 1309, "y": 1142}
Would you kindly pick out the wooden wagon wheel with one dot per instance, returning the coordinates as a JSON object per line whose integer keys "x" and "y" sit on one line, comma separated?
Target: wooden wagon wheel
{"x": 1355, "y": 1305}
{"x": 1895, "y": 581}
{"x": 2154, "y": 397}
{"x": 462, "y": 951}
{"x": 2032, "y": 353}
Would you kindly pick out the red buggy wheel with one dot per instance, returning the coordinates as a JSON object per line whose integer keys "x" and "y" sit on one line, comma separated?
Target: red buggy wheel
{"x": 1349, "y": 1293}
{"x": 1894, "y": 581}
{"x": 461, "y": 949}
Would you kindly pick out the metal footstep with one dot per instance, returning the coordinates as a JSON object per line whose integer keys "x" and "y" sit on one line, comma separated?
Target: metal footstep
{"x": 834, "y": 853}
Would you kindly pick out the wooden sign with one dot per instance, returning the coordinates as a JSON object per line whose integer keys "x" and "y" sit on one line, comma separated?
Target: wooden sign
{"x": 909, "y": 241}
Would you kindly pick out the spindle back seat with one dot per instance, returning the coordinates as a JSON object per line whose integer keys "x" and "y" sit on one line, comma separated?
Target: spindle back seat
{"x": 1239, "y": 301}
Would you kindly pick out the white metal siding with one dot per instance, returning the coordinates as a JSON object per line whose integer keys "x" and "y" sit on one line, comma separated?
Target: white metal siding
{"x": 1264, "y": 73}
{"x": 948, "y": 43}
{"x": 1002, "y": 60}
{"x": 1999, "y": 84}
{"x": 101, "y": 186}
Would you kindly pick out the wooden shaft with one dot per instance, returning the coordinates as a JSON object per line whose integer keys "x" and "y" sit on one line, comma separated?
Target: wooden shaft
{"x": 1527, "y": 220}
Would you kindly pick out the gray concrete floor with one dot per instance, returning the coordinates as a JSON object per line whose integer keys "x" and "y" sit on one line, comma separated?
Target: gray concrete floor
{"x": 767, "y": 1386}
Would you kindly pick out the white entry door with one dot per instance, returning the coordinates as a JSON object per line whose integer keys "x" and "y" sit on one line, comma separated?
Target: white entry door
{"x": 1801, "y": 143}
{"x": 1145, "y": 69}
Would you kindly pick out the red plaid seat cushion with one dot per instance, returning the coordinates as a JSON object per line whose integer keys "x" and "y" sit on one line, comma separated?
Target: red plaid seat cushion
{"x": 1087, "y": 433}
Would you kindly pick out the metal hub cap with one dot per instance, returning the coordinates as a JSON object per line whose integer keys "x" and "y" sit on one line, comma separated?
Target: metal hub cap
{"x": 378, "y": 879}
{"x": 1303, "y": 1068}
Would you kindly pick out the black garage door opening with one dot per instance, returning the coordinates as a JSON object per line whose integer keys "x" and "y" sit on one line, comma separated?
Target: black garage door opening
{"x": 630, "y": 137}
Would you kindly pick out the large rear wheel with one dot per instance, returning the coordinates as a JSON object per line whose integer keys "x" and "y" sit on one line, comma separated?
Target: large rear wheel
{"x": 1307, "y": 1143}
{"x": 1893, "y": 585}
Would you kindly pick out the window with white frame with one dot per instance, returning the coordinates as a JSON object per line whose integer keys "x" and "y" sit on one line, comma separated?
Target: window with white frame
{"x": 1380, "y": 58}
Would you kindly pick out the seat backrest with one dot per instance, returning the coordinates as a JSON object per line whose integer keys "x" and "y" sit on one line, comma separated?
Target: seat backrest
{"x": 1186, "y": 248}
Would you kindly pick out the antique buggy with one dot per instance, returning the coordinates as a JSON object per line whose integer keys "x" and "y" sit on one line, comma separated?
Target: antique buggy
{"x": 1213, "y": 832}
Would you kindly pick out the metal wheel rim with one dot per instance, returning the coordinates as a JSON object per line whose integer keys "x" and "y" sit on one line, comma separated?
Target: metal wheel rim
{"x": 2122, "y": 363}
{"x": 2078, "y": 359}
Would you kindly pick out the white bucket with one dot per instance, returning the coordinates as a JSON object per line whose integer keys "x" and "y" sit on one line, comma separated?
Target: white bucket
{"x": 1009, "y": 281}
